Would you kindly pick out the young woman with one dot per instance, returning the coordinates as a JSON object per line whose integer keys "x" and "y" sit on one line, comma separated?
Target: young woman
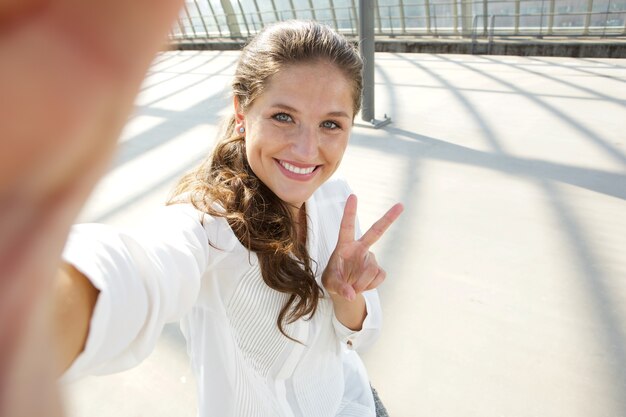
{"x": 257, "y": 253}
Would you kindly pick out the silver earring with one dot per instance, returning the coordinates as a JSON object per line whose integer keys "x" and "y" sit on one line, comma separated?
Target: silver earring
{"x": 242, "y": 129}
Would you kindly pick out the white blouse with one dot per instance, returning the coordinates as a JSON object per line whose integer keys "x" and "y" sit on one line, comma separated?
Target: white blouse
{"x": 188, "y": 266}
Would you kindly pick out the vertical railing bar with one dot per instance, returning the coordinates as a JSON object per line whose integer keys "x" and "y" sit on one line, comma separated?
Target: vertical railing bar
{"x": 491, "y": 29}
{"x": 293, "y": 9}
{"x": 217, "y": 23}
{"x": 258, "y": 12}
{"x": 243, "y": 16}
{"x": 356, "y": 18}
{"x": 172, "y": 35}
{"x": 588, "y": 17}
{"x": 333, "y": 13}
{"x": 485, "y": 14}
{"x": 434, "y": 16}
{"x": 455, "y": 7}
{"x": 367, "y": 51}
{"x": 551, "y": 18}
{"x": 312, "y": 9}
{"x": 541, "y": 20}
{"x": 606, "y": 18}
{"x": 474, "y": 31}
{"x": 206, "y": 29}
{"x": 251, "y": 16}
{"x": 427, "y": 15}
{"x": 182, "y": 29}
{"x": 377, "y": 12}
{"x": 402, "y": 22}
{"x": 517, "y": 15}
{"x": 193, "y": 29}
{"x": 275, "y": 11}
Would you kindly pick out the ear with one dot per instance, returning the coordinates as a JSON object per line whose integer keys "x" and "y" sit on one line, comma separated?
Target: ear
{"x": 239, "y": 117}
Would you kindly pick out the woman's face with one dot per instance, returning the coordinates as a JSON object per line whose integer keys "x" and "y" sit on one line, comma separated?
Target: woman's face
{"x": 298, "y": 129}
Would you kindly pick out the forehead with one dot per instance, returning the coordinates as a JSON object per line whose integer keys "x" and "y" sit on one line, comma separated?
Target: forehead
{"x": 316, "y": 83}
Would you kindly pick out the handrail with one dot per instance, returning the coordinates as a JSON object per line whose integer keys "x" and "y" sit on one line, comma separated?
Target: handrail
{"x": 203, "y": 20}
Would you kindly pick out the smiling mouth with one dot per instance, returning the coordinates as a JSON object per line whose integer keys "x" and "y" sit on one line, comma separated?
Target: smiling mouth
{"x": 297, "y": 170}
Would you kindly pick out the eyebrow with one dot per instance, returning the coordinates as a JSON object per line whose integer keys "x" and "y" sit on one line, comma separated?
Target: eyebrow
{"x": 291, "y": 109}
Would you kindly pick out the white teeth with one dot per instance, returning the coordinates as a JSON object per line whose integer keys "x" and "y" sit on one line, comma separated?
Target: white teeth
{"x": 296, "y": 170}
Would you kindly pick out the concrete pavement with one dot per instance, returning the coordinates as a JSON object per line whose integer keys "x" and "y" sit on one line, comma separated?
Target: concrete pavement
{"x": 506, "y": 289}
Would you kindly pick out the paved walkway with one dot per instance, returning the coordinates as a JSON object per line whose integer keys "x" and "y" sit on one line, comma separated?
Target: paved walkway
{"x": 506, "y": 293}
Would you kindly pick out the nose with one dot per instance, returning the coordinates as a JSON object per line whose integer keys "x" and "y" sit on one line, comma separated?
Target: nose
{"x": 306, "y": 143}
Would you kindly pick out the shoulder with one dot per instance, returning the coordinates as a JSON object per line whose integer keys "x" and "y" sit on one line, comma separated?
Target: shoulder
{"x": 184, "y": 217}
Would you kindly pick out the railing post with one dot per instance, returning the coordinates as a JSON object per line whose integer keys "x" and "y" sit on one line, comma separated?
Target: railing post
{"x": 455, "y": 7}
{"x": 588, "y": 17}
{"x": 551, "y": 18}
{"x": 312, "y": 9}
{"x": 275, "y": 11}
{"x": 517, "y": 13}
{"x": 402, "y": 21}
{"x": 193, "y": 29}
{"x": 427, "y": 15}
{"x": 217, "y": 23}
{"x": 486, "y": 14}
{"x": 492, "y": 21}
{"x": 366, "y": 48}
{"x": 466, "y": 18}
{"x": 231, "y": 18}
{"x": 334, "y": 14}
{"x": 474, "y": 41}
{"x": 541, "y": 21}
{"x": 293, "y": 9}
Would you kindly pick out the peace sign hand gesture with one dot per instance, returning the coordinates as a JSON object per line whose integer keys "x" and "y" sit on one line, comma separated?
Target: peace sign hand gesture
{"x": 352, "y": 267}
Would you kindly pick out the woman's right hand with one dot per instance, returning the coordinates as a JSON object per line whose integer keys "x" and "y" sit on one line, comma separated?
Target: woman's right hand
{"x": 69, "y": 72}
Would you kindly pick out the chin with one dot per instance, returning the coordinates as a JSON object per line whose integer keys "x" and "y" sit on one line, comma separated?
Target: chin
{"x": 295, "y": 201}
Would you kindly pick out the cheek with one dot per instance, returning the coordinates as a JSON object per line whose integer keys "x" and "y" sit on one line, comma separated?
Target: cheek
{"x": 251, "y": 150}
{"x": 334, "y": 149}
{"x": 254, "y": 153}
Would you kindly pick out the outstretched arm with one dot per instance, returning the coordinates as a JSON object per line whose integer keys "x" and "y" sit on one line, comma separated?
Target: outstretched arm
{"x": 73, "y": 302}
{"x": 69, "y": 72}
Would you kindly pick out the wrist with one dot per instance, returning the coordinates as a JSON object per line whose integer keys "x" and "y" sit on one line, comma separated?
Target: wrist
{"x": 351, "y": 313}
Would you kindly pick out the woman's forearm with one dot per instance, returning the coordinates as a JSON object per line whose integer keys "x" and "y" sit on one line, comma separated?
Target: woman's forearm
{"x": 73, "y": 304}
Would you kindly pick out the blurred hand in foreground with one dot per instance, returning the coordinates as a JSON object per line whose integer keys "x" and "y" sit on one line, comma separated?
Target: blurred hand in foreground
{"x": 69, "y": 72}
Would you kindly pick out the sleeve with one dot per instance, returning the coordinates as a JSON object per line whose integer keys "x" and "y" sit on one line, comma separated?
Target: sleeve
{"x": 370, "y": 331}
{"x": 364, "y": 338}
{"x": 146, "y": 279}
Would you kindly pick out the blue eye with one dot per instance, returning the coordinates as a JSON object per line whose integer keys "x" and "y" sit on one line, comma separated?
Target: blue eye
{"x": 328, "y": 124}
{"x": 282, "y": 117}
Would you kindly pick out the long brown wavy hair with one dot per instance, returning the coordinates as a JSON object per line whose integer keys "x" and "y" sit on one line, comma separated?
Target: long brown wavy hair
{"x": 260, "y": 220}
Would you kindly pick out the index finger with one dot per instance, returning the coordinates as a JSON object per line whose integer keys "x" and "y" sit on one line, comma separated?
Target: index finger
{"x": 346, "y": 229}
{"x": 379, "y": 228}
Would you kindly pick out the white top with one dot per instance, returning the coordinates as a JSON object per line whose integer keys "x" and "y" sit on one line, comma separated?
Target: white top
{"x": 244, "y": 366}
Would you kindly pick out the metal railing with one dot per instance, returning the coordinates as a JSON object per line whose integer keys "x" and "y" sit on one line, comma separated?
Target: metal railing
{"x": 210, "y": 19}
